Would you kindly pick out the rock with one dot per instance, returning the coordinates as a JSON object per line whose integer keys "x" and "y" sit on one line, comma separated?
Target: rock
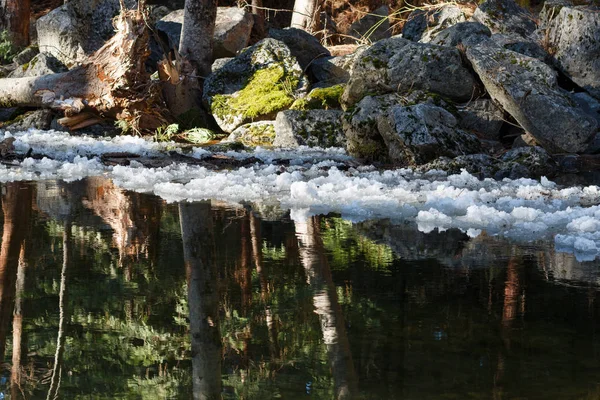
{"x": 505, "y": 16}
{"x": 417, "y": 134}
{"x": 38, "y": 119}
{"x": 574, "y": 39}
{"x": 520, "y": 45}
{"x": 304, "y": 46}
{"x": 26, "y": 55}
{"x": 527, "y": 162}
{"x": 232, "y": 30}
{"x": 42, "y": 64}
{"x": 320, "y": 98}
{"x": 314, "y": 128}
{"x": 7, "y": 114}
{"x": 360, "y": 127}
{"x": 524, "y": 140}
{"x": 480, "y": 165}
{"x": 460, "y": 33}
{"x": 260, "y": 82}
{"x": 362, "y": 30}
{"x": 77, "y": 28}
{"x": 328, "y": 71}
{"x": 549, "y": 10}
{"x": 482, "y": 116}
{"x": 423, "y": 26}
{"x": 594, "y": 147}
{"x": 220, "y": 63}
{"x": 527, "y": 89}
{"x": 254, "y": 134}
{"x": 400, "y": 65}
{"x": 588, "y": 104}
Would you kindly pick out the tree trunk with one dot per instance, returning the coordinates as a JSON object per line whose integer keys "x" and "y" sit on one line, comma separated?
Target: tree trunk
{"x": 15, "y": 19}
{"x": 113, "y": 83}
{"x": 203, "y": 298}
{"x": 316, "y": 267}
{"x": 303, "y": 15}
{"x": 183, "y": 81}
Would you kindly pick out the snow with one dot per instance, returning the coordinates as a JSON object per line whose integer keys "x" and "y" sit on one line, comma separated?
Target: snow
{"x": 523, "y": 210}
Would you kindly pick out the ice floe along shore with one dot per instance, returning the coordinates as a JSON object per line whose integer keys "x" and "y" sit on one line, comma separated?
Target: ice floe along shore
{"x": 314, "y": 182}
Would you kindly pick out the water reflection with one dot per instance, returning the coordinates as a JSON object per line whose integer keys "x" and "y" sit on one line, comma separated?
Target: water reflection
{"x": 111, "y": 294}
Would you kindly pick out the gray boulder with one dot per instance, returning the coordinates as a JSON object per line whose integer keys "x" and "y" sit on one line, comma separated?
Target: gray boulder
{"x": 232, "y": 30}
{"x": 304, "y": 46}
{"x": 480, "y": 165}
{"x": 314, "y": 128}
{"x": 42, "y": 64}
{"x": 527, "y": 89}
{"x": 417, "y": 134}
{"x": 520, "y": 45}
{"x": 588, "y": 104}
{"x": 77, "y": 28}
{"x": 360, "y": 127}
{"x": 362, "y": 30}
{"x": 505, "y": 16}
{"x": 482, "y": 116}
{"x": 397, "y": 64}
{"x": 423, "y": 26}
{"x": 255, "y": 85}
{"x": 526, "y": 162}
{"x": 328, "y": 71}
{"x": 37, "y": 119}
{"x": 261, "y": 133}
{"x": 574, "y": 37}
{"x": 461, "y": 33}
{"x": 26, "y": 55}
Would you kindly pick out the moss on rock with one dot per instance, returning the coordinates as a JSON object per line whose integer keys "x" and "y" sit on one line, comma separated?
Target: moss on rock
{"x": 320, "y": 98}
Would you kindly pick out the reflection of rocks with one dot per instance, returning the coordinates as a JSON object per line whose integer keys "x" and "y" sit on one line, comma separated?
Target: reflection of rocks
{"x": 408, "y": 243}
{"x": 565, "y": 269}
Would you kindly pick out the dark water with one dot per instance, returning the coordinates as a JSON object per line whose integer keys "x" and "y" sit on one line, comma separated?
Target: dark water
{"x": 104, "y": 294}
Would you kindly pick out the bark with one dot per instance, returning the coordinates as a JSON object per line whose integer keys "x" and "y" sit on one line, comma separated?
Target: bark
{"x": 303, "y": 15}
{"x": 203, "y": 299}
{"x": 16, "y": 205}
{"x": 15, "y": 19}
{"x": 314, "y": 260}
{"x": 183, "y": 76}
{"x": 112, "y": 83}
{"x": 17, "y": 350}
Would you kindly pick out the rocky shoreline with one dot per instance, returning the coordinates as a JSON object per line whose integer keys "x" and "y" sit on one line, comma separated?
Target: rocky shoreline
{"x": 498, "y": 91}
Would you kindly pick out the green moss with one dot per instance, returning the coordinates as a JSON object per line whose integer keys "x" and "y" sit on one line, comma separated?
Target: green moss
{"x": 320, "y": 98}
{"x": 269, "y": 90}
{"x": 259, "y": 135}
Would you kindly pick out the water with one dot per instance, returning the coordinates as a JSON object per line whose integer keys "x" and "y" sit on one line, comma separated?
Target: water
{"x": 104, "y": 294}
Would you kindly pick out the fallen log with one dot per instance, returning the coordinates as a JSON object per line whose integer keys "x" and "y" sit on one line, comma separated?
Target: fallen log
{"x": 113, "y": 83}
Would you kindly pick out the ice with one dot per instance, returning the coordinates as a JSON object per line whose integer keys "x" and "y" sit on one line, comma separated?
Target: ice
{"x": 524, "y": 210}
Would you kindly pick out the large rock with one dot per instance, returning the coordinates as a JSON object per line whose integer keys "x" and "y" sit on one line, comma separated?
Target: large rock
{"x": 78, "y": 28}
{"x": 423, "y": 26}
{"x": 304, "y": 46}
{"x": 574, "y": 38}
{"x": 261, "y": 133}
{"x": 360, "y": 127}
{"x": 417, "y": 134}
{"x": 397, "y": 64}
{"x": 232, "y": 30}
{"x": 37, "y": 119}
{"x": 461, "y": 33}
{"x": 505, "y": 16}
{"x": 314, "y": 128}
{"x": 327, "y": 71}
{"x": 527, "y": 89}
{"x": 370, "y": 28}
{"x": 482, "y": 116}
{"x": 256, "y": 85}
{"x": 42, "y": 64}
{"x": 521, "y": 45}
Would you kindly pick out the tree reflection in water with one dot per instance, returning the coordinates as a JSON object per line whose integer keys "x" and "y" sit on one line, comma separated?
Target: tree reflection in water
{"x": 209, "y": 301}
